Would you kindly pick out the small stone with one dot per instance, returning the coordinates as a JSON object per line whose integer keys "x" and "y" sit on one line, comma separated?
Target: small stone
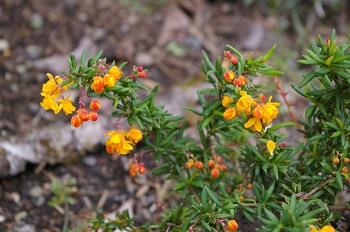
{"x": 144, "y": 59}
{"x": 4, "y": 44}
{"x": 35, "y": 191}
{"x": 89, "y": 161}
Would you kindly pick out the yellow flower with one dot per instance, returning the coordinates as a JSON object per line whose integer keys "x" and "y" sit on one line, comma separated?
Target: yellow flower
{"x": 245, "y": 102}
{"x": 226, "y": 100}
{"x": 115, "y": 72}
{"x": 254, "y": 124}
{"x": 66, "y": 105}
{"x": 270, "y": 111}
{"x": 117, "y": 143}
{"x": 271, "y": 145}
{"x": 48, "y": 103}
{"x": 327, "y": 228}
{"x": 108, "y": 80}
{"x": 134, "y": 135}
{"x": 229, "y": 113}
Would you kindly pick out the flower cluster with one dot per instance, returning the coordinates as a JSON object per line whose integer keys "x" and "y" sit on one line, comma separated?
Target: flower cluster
{"x": 51, "y": 91}
{"x": 121, "y": 142}
{"x": 190, "y": 163}
{"x": 216, "y": 165}
{"x": 138, "y": 72}
{"x": 231, "y": 57}
{"x": 108, "y": 80}
{"x": 83, "y": 115}
{"x": 135, "y": 168}
{"x": 230, "y": 77}
{"x": 260, "y": 113}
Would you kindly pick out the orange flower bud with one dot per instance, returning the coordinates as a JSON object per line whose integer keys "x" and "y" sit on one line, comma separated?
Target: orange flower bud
{"x": 336, "y": 160}
{"x": 219, "y": 159}
{"x": 234, "y": 60}
{"x": 199, "y": 165}
{"x": 222, "y": 167}
{"x": 76, "y": 121}
{"x": 215, "y": 172}
{"x": 229, "y": 76}
{"x": 139, "y": 69}
{"x": 83, "y": 114}
{"x": 141, "y": 164}
{"x": 132, "y": 173}
{"x": 187, "y": 165}
{"x": 243, "y": 79}
{"x": 232, "y": 225}
{"x": 134, "y": 167}
{"x": 228, "y": 54}
{"x": 142, "y": 74}
{"x": 345, "y": 170}
{"x": 142, "y": 169}
{"x": 347, "y": 160}
{"x": 211, "y": 163}
{"x": 93, "y": 116}
{"x": 237, "y": 82}
{"x": 262, "y": 97}
{"x": 241, "y": 197}
{"x": 250, "y": 186}
{"x": 95, "y": 105}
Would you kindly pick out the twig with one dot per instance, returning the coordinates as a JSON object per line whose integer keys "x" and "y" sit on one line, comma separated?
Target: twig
{"x": 289, "y": 105}
{"x": 307, "y": 195}
{"x": 66, "y": 212}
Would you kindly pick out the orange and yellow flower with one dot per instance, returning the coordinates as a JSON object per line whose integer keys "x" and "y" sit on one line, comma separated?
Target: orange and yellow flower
{"x": 121, "y": 142}
{"x": 98, "y": 84}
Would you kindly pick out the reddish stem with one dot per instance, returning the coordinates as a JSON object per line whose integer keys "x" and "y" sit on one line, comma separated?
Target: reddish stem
{"x": 289, "y": 105}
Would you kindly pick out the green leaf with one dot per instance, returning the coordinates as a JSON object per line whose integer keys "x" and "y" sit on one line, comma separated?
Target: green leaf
{"x": 326, "y": 167}
{"x": 270, "y": 215}
{"x": 310, "y": 111}
{"x": 311, "y": 214}
{"x": 268, "y": 54}
{"x": 248, "y": 216}
{"x": 315, "y": 57}
{"x": 275, "y": 171}
{"x": 83, "y": 58}
{"x": 269, "y": 192}
{"x": 280, "y": 125}
{"x": 206, "y": 225}
{"x": 322, "y": 70}
{"x": 192, "y": 110}
{"x": 307, "y": 78}
{"x": 72, "y": 61}
{"x": 180, "y": 186}
{"x": 336, "y": 134}
{"x": 257, "y": 153}
{"x": 213, "y": 196}
{"x": 168, "y": 139}
{"x": 207, "y": 61}
{"x": 298, "y": 90}
{"x": 206, "y": 121}
{"x": 339, "y": 181}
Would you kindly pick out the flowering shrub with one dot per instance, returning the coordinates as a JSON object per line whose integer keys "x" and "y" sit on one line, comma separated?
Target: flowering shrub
{"x": 292, "y": 188}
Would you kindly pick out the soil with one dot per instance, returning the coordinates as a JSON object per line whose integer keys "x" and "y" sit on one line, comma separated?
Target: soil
{"x": 166, "y": 37}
